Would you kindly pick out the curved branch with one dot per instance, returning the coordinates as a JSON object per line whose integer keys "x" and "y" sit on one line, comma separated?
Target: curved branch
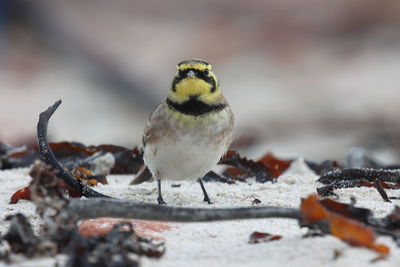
{"x": 48, "y": 157}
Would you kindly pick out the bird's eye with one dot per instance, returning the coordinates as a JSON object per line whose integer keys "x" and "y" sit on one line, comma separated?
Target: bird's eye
{"x": 206, "y": 72}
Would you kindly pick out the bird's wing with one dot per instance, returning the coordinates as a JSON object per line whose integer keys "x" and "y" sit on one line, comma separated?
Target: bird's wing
{"x": 143, "y": 175}
{"x": 152, "y": 124}
{"x": 150, "y": 134}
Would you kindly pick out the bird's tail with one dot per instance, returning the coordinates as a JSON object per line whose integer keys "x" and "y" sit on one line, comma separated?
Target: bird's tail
{"x": 143, "y": 175}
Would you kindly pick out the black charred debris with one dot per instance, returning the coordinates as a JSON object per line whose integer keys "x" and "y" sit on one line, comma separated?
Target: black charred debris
{"x": 60, "y": 234}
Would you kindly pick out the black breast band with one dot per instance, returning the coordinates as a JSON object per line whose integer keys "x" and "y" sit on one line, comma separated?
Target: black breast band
{"x": 194, "y": 107}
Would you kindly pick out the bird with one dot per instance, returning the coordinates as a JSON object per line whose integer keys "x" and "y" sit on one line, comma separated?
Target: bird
{"x": 185, "y": 136}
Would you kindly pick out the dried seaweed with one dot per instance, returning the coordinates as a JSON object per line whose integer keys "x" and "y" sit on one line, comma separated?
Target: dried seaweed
{"x": 112, "y": 249}
{"x": 345, "y": 178}
{"x": 74, "y": 154}
{"x": 61, "y": 235}
{"x": 385, "y": 175}
{"x": 323, "y": 167}
{"x": 20, "y": 235}
{"x": 82, "y": 174}
{"x": 268, "y": 168}
{"x": 127, "y": 161}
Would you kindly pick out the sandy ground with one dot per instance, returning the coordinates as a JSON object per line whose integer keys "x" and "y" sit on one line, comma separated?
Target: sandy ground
{"x": 226, "y": 243}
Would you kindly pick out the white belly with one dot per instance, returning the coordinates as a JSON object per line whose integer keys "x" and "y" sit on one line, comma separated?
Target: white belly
{"x": 186, "y": 159}
{"x": 194, "y": 152}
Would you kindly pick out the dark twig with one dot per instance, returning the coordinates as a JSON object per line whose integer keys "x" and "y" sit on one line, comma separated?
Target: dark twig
{"x": 48, "y": 157}
{"x": 85, "y": 209}
{"x": 392, "y": 176}
{"x": 381, "y": 191}
{"x": 327, "y": 190}
{"x": 345, "y": 178}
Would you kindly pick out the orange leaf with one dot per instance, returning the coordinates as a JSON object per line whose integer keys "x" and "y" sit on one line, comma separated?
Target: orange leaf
{"x": 20, "y": 194}
{"x": 91, "y": 182}
{"x": 354, "y": 233}
{"x": 258, "y": 237}
{"x": 349, "y": 230}
{"x": 83, "y": 171}
{"x": 275, "y": 165}
{"x": 311, "y": 210}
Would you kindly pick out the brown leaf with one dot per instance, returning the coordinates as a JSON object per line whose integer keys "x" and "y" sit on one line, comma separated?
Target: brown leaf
{"x": 349, "y": 230}
{"x": 258, "y": 237}
{"x": 20, "y": 194}
{"x": 242, "y": 166}
{"x": 347, "y": 210}
{"x": 311, "y": 210}
{"x": 265, "y": 169}
{"x": 275, "y": 165}
{"x": 354, "y": 233}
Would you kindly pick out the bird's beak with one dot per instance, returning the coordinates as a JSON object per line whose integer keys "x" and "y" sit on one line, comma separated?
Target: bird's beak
{"x": 191, "y": 74}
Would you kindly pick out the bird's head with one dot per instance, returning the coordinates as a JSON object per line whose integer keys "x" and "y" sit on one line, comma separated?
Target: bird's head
{"x": 195, "y": 81}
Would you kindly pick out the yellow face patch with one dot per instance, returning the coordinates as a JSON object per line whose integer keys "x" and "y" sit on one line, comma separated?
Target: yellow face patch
{"x": 195, "y": 79}
{"x": 190, "y": 87}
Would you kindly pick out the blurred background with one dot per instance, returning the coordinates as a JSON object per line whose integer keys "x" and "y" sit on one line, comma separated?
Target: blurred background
{"x": 305, "y": 78}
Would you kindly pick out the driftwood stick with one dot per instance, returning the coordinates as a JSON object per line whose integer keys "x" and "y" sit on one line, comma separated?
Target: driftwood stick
{"x": 106, "y": 207}
{"x": 48, "y": 157}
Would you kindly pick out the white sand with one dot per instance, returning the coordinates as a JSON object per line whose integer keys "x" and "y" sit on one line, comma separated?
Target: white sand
{"x": 225, "y": 243}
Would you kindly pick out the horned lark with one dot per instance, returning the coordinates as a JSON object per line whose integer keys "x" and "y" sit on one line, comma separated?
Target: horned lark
{"x": 187, "y": 134}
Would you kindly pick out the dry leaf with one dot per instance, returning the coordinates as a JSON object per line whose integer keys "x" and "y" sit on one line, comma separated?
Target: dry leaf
{"x": 349, "y": 230}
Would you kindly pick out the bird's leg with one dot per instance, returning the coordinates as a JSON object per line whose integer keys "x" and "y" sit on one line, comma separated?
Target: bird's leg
{"x": 160, "y": 199}
{"x": 206, "y": 198}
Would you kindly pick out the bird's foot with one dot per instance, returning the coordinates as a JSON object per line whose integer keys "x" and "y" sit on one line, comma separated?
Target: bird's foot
{"x": 207, "y": 199}
{"x": 161, "y": 201}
